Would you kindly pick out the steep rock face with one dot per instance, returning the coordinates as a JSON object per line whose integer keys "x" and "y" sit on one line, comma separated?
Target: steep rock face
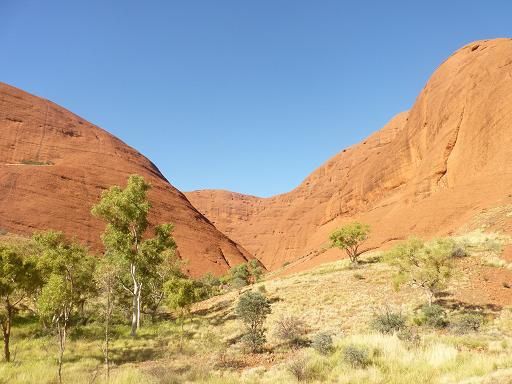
{"x": 54, "y": 166}
{"x": 427, "y": 172}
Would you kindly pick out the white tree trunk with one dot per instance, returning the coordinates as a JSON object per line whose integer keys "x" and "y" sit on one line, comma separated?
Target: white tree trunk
{"x": 135, "y": 302}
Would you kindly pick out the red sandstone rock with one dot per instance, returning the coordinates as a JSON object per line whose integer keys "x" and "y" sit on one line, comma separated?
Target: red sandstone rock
{"x": 54, "y": 166}
{"x": 427, "y": 172}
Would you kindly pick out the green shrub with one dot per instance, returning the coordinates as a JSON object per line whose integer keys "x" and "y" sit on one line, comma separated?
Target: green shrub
{"x": 211, "y": 284}
{"x": 409, "y": 335}
{"x": 252, "y": 309}
{"x": 244, "y": 274}
{"x": 432, "y": 316}
{"x": 254, "y": 339}
{"x": 237, "y": 283}
{"x": 356, "y": 356}
{"x": 322, "y": 343}
{"x": 468, "y": 322}
{"x": 388, "y": 322}
{"x": 349, "y": 238}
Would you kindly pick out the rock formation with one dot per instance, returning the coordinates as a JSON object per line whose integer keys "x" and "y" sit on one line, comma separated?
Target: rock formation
{"x": 428, "y": 172}
{"x": 54, "y": 166}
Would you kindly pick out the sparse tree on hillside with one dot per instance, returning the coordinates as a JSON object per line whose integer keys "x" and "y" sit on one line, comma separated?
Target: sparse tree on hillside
{"x": 255, "y": 270}
{"x": 19, "y": 278}
{"x": 154, "y": 291}
{"x": 181, "y": 293}
{"x": 126, "y": 211}
{"x": 252, "y": 309}
{"x": 244, "y": 274}
{"x": 239, "y": 276}
{"x": 427, "y": 266}
{"x": 68, "y": 272}
{"x": 349, "y": 238}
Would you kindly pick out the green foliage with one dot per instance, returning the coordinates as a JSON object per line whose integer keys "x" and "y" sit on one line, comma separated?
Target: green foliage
{"x": 255, "y": 270}
{"x": 181, "y": 293}
{"x": 254, "y": 339}
{"x": 19, "y": 279}
{"x": 388, "y": 322}
{"x": 66, "y": 265}
{"x": 252, "y": 309}
{"x": 468, "y": 322}
{"x": 356, "y": 356}
{"x": 68, "y": 272}
{"x": 239, "y": 276}
{"x": 427, "y": 266}
{"x": 211, "y": 285}
{"x": 244, "y": 274}
{"x": 409, "y": 335}
{"x": 167, "y": 267}
{"x": 56, "y": 299}
{"x": 126, "y": 214}
{"x": 432, "y": 316}
{"x": 322, "y": 343}
{"x": 125, "y": 211}
{"x": 19, "y": 276}
{"x": 349, "y": 238}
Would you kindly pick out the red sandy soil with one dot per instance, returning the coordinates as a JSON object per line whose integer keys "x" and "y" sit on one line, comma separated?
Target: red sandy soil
{"x": 428, "y": 172}
{"x": 76, "y": 162}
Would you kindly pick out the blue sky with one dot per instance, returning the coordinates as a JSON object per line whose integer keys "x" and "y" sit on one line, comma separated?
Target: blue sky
{"x": 244, "y": 95}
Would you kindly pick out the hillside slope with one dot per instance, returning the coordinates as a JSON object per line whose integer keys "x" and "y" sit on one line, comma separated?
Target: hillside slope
{"x": 428, "y": 171}
{"x": 54, "y": 166}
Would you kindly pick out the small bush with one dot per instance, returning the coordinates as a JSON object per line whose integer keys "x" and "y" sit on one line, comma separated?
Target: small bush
{"x": 356, "y": 356}
{"x": 493, "y": 245}
{"x": 433, "y": 316}
{"x": 290, "y": 329}
{"x": 409, "y": 335}
{"x": 468, "y": 322}
{"x": 254, "y": 339}
{"x": 252, "y": 309}
{"x": 299, "y": 368}
{"x": 388, "y": 322}
{"x": 211, "y": 284}
{"x": 237, "y": 283}
{"x": 35, "y": 162}
{"x": 322, "y": 343}
{"x": 459, "y": 251}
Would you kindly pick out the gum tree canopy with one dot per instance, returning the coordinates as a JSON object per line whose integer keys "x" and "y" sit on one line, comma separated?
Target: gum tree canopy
{"x": 126, "y": 214}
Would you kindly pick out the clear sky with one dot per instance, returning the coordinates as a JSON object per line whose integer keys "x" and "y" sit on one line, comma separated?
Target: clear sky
{"x": 245, "y": 95}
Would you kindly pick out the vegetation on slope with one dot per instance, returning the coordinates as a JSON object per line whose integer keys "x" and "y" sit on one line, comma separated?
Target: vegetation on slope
{"x": 342, "y": 322}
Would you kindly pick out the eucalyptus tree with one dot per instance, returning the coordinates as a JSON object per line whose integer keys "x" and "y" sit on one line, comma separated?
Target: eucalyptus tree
{"x": 67, "y": 269}
{"x": 19, "y": 279}
{"x": 427, "y": 266}
{"x": 126, "y": 213}
{"x": 349, "y": 238}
